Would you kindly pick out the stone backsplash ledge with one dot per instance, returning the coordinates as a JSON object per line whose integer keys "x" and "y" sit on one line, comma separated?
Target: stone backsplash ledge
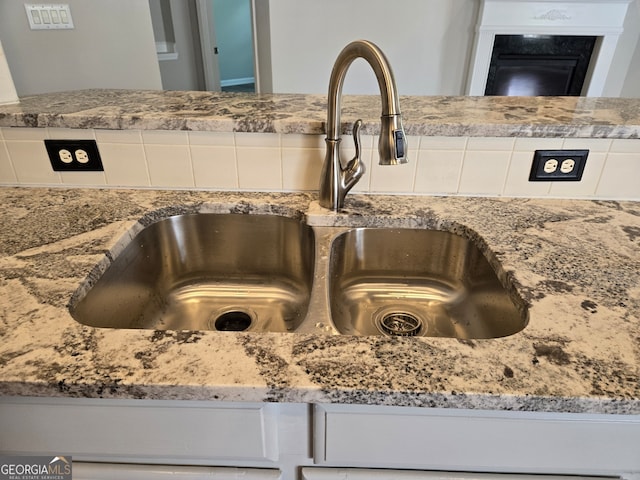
{"x": 197, "y": 140}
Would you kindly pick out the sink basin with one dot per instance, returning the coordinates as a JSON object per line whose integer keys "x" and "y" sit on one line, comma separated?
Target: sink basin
{"x": 417, "y": 282}
{"x": 207, "y": 272}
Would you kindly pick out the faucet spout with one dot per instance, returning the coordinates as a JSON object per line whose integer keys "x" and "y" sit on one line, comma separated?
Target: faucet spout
{"x": 336, "y": 180}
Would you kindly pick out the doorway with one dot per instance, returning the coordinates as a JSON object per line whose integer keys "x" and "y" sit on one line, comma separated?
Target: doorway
{"x": 227, "y": 40}
{"x": 205, "y": 44}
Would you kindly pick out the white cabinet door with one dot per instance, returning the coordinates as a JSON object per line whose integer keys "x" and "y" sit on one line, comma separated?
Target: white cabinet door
{"x": 163, "y": 432}
{"x": 369, "y": 474}
{"x": 107, "y": 471}
{"x": 473, "y": 440}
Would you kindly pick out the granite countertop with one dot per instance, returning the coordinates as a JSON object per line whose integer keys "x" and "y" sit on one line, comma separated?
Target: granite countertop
{"x": 575, "y": 262}
{"x": 290, "y": 113}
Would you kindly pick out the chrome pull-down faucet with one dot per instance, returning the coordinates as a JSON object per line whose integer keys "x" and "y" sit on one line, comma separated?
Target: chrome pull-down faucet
{"x": 336, "y": 180}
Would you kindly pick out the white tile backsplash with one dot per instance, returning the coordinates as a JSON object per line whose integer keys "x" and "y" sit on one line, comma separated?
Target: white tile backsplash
{"x": 118, "y": 136}
{"x": 526, "y": 144}
{"x": 441, "y": 143}
{"x": 25, "y": 134}
{"x": 368, "y": 156}
{"x": 620, "y": 177}
{"x": 263, "y": 161}
{"x": 625, "y": 146}
{"x": 497, "y": 144}
{"x": 214, "y": 166}
{"x": 517, "y": 183}
{"x": 125, "y": 164}
{"x": 31, "y": 163}
{"x": 164, "y": 137}
{"x": 591, "y": 144}
{"x": 218, "y": 139}
{"x": 301, "y": 168}
{"x": 259, "y": 168}
{"x": 297, "y": 140}
{"x": 169, "y": 165}
{"x": 392, "y": 178}
{"x": 258, "y": 140}
{"x": 590, "y": 177}
{"x": 92, "y": 179}
{"x": 484, "y": 172}
{"x": 438, "y": 171}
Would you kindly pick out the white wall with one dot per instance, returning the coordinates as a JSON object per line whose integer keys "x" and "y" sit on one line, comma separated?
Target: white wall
{"x": 111, "y": 47}
{"x": 622, "y": 64}
{"x": 631, "y": 86}
{"x": 7, "y": 90}
{"x": 428, "y": 43}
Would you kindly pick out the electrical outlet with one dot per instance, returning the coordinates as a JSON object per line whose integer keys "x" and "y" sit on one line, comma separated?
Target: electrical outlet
{"x": 65, "y": 156}
{"x": 82, "y": 156}
{"x": 558, "y": 165}
{"x": 74, "y": 155}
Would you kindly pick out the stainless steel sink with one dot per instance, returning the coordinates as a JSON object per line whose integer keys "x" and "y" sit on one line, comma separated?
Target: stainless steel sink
{"x": 267, "y": 273}
{"x": 417, "y": 282}
{"x": 207, "y": 272}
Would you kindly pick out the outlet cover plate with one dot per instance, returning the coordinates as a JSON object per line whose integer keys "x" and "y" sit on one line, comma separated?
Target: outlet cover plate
{"x": 78, "y": 162}
{"x": 558, "y": 165}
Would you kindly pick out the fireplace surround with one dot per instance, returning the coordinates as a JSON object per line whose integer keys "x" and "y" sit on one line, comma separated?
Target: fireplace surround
{"x": 601, "y": 20}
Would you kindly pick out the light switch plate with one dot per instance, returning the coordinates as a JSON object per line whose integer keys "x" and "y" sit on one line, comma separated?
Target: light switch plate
{"x": 49, "y": 16}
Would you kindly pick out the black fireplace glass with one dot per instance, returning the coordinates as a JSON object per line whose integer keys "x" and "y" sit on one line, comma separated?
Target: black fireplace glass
{"x": 539, "y": 65}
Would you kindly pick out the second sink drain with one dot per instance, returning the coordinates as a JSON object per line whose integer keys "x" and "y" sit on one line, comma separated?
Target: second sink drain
{"x": 398, "y": 323}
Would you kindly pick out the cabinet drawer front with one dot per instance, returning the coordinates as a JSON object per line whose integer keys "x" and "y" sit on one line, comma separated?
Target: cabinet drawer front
{"x": 475, "y": 440}
{"x": 113, "y": 471}
{"x": 158, "y": 430}
{"x": 317, "y": 473}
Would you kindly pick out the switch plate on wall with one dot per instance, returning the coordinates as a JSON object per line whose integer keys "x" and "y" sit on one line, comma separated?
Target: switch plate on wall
{"x": 558, "y": 165}
{"x": 74, "y": 155}
{"x": 48, "y": 16}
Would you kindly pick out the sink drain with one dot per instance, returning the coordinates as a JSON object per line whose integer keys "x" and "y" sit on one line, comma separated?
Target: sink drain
{"x": 400, "y": 324}
{"x": 233, "y": 321}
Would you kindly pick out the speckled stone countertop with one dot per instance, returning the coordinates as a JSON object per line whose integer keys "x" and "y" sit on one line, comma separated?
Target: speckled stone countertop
{"x": 575, "y": 262}
{"x": 283, "y": 113}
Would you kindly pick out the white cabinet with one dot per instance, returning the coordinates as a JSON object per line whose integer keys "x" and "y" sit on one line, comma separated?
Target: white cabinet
{"x": 109, "y": 471}
{"x": 140, "y": 439}
{"x": 370, "y": 474}
{"x": 142, "y": 431}
{"x": 475, "y": 440}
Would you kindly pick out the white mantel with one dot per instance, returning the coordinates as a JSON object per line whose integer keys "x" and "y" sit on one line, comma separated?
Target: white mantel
{"x": 601, "y": 18}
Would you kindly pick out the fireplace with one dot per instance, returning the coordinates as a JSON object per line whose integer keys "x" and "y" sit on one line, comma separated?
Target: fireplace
{"x": 545, "y": 47}
{"x": 529, "y": 65}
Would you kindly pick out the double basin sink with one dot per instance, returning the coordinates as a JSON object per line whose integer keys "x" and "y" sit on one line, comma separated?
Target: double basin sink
{"x": 268, "y": 273}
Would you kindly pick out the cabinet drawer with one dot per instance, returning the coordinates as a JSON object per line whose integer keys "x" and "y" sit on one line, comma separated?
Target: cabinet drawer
{"x": 448, "y": 439}
{"x": 125, "y": 429}
{"x": 317, "y": 473}
{"x": 113, "y": 471}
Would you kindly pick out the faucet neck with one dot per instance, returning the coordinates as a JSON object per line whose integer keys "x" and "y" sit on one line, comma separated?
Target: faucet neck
{"x": 336, "y": 180}
{"x": 380, "y": 65}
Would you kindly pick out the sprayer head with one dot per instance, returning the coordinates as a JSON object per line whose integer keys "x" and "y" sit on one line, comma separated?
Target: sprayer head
{"x": 393, "y": 142}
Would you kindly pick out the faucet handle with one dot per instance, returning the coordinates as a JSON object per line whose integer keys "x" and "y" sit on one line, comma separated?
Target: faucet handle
{"x": 355, "y": 168}
{"x": 356, "y": 136}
